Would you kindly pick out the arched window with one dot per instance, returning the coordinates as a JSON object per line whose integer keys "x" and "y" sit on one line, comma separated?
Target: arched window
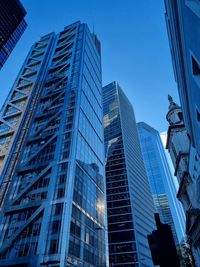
{"x": 180, "y": 115}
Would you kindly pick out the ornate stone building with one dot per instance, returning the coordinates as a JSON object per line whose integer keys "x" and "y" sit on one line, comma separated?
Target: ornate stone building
{"x": 187, "y": 173}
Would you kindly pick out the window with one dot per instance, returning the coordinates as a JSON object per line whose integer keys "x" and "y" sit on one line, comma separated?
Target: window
{"x": 74, "y": 247}
{"x": 63, "y": 167}
{"x": 62, "y": 179}
{"x": 53, "y": 249}
{"x": 58, "y": 208}
{"x": 198, "y": 115}
{"x": 121, "y": 218}
{"x": 23, "y": 250}
{"x": 180, "y": 115}
{"x": 122, "y": 236}
{"x": 33, "y": 248}
{"x": 128, "y": 257}
{"x": 87, "y": 238}
{"x": 123, "y": 247}
{"x": 60, "y": 193}
{"x": 122, "y": 203}
{"x": 36, "y": 229}
{"x": 195, "y": 67}
{"x": 120, "y": 226}
{"x": 75, "y": 229}
{"x": 55, "y": 227}
{"x": 118, "y": 197}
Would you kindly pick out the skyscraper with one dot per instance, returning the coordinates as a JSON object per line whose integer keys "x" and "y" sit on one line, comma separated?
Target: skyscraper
{"x": 52, "y": 182}
{"x": 12, "y": 26}
{"x": 182, "y": 19}
{"x": 161, "y": 181}
{"x": 129, "y": 201}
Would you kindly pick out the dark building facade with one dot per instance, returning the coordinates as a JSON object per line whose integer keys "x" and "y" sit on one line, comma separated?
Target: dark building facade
{"x": 162, "y": 245}
{"x": 129, "y": 202}
{"x": 12, "y": 26}
{"x": 51, "y": 145}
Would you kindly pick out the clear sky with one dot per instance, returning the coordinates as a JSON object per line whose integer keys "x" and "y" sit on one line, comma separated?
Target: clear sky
{"x": 135, "y": 49}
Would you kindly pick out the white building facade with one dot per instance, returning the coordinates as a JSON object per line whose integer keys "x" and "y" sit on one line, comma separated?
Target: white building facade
{"x": 178, "y": 145}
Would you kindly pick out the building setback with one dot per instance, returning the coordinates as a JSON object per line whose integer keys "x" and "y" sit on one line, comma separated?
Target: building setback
{"x": 52, "y": 182}
{"x": 12, "y": 26}
{"x": 129, "y": 201}
{"x": 161, "y": 181}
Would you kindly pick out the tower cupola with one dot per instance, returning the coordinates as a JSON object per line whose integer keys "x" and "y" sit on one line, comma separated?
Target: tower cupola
{"x": 174, "y": 115}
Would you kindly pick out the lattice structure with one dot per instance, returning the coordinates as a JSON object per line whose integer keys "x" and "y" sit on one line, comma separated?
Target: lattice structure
{"x": 18, "y": 107}
{"x": 38, "y": 181}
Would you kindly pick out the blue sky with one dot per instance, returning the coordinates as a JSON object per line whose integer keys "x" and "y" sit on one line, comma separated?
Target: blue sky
{"x": 135, "y": 49}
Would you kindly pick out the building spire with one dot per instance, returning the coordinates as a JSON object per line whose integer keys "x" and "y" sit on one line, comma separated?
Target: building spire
{"x": 170, "y": 99}
{"x": 172, "y": 104}
{"x": 174, "y": 115}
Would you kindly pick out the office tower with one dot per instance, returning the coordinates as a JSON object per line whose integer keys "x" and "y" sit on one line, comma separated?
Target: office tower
{"x": 129, "y": 202}
{"x": 182, "y": 19}
{"x": 52, "y": 182}
{"x": 161, "y": 181}
{"x": 178, "y": 145}
{"x": 12, "y": 26}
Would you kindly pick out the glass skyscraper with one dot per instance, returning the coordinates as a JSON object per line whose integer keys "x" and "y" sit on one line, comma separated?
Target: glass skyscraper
{"x": 129, "y": 202}
{"x": 161, "y": 181}
{"x": 52, "y": 154}
{"x": 12, "y": 26}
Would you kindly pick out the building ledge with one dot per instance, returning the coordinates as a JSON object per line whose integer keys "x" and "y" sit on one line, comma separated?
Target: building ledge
{"x": 178, "y": 159}
{"x": 171, "y": 127}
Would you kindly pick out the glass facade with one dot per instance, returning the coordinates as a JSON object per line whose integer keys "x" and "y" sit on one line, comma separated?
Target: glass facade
{"x": 161, "y": 181}
{"x": 54, "y": 202}
{"x": 129, "y": 203}
{"x": 12, "y": 26}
